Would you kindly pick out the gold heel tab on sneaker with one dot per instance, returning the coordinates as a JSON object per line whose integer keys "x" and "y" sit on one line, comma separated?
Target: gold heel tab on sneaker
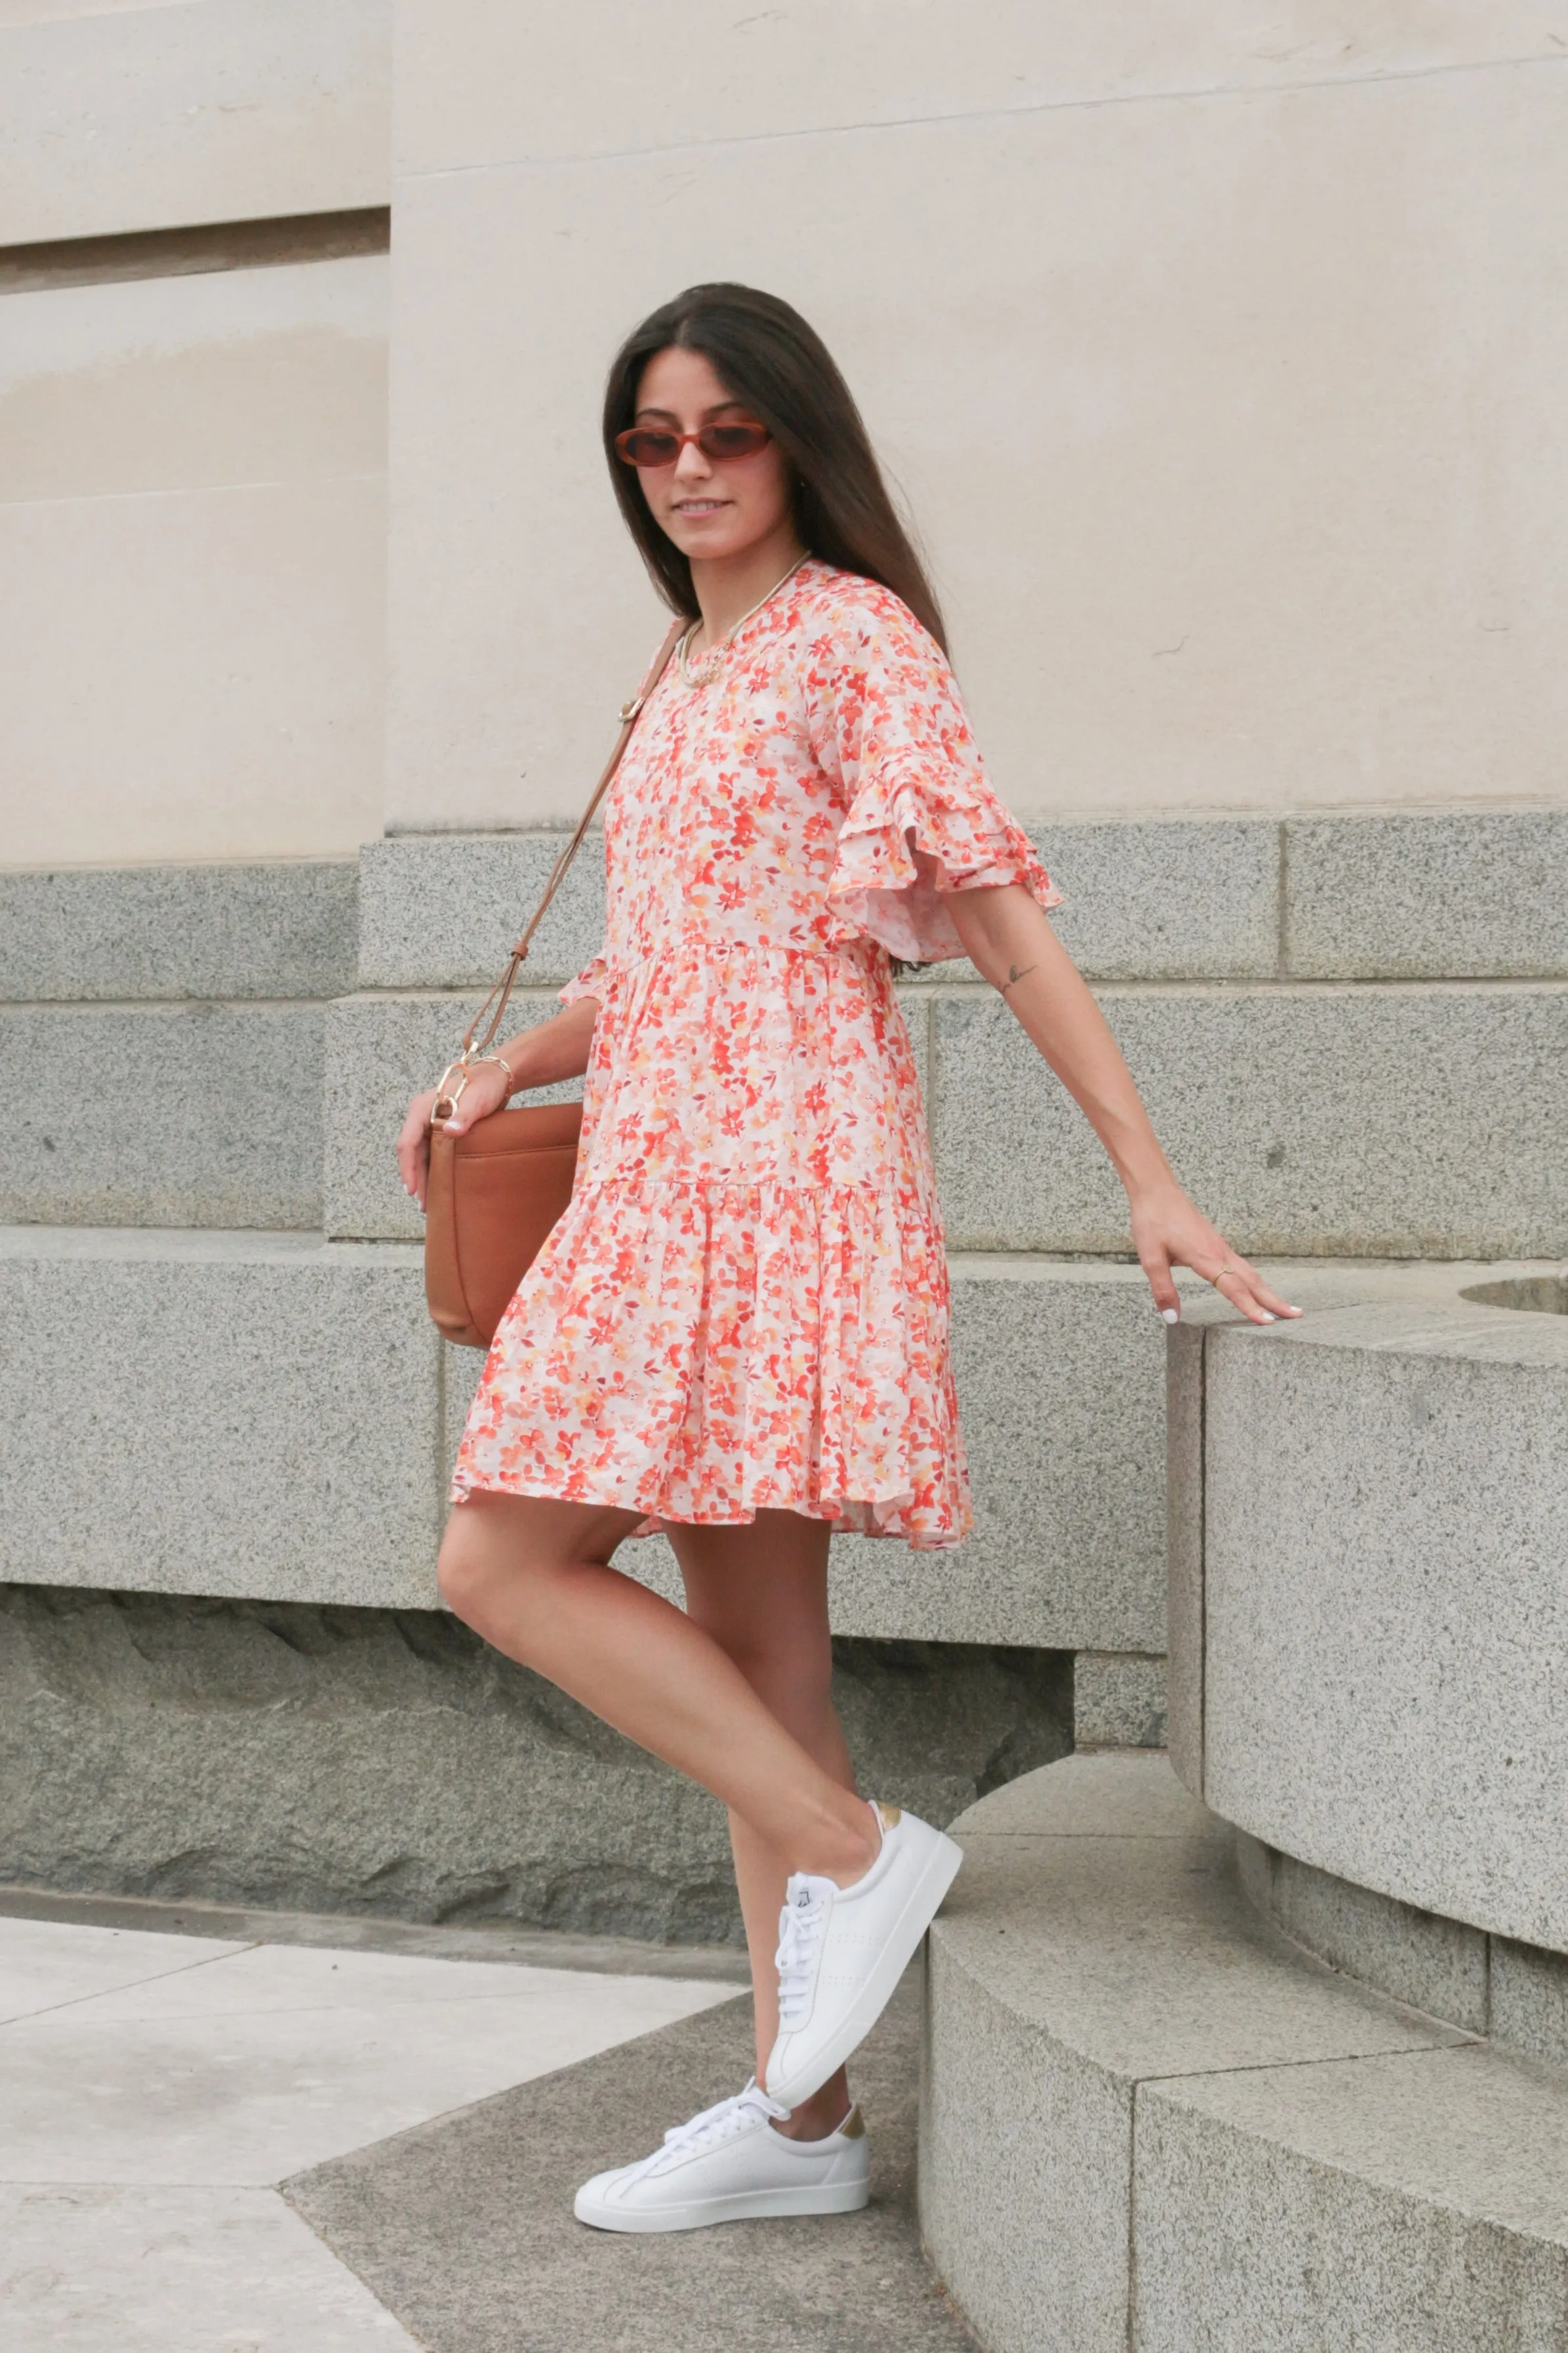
{"x": 854, "y": 2126}
{"x": 891, "y": 1816}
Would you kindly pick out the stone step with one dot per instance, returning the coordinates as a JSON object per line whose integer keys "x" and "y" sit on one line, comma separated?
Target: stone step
{"x": 1335, "y": 1121}
{"x": 220, "y": 1413}
{"x": 1465, "y": 895}
{"x": 1343, "y": 1121}
{"x": 1150, "y": 2123}
{"x": 1470, "y": 895}
{"x": 272, "y": 1415}
{"x": 178, "y": 1114}
{"x": 161, "y": 1040}
{"x": 213, "y": 1114}
{"x": 282, "y": 927}
{"x": 162, "y": 1030}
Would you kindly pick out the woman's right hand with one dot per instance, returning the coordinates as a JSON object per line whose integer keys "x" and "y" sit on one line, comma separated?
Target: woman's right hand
{"x": 485, "y": 1090}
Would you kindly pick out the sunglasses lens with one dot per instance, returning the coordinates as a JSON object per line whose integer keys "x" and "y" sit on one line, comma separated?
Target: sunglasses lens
{"x": 732, "y": 440}
{"x": 646, "y": 446}
{"x": 655, "y": 445}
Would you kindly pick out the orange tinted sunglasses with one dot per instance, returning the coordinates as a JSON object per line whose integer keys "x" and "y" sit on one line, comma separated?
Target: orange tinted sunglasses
{"x": 652, "y": 446}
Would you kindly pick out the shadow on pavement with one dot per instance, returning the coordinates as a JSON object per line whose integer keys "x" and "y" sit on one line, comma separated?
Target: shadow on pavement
{"x": 464, "y": 2227}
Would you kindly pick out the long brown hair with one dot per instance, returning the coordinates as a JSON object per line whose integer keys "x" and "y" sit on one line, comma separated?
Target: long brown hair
{"x": 767, "y": 356}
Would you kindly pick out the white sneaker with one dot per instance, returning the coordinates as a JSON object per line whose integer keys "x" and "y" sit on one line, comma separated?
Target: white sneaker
{"x": 727, "y": 2164}
{"x": 842, "y": 1950}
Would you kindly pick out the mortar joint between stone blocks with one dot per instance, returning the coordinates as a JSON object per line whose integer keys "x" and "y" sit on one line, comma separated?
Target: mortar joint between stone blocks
{"x": 1132, "y": 2322}
{"x": 1282, "y": 901}
{"x": 195, "y": 1004}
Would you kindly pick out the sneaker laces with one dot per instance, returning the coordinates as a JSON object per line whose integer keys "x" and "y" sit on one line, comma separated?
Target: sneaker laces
{"x": 801, "y": 1924}
{"x": 720, "y": 2123}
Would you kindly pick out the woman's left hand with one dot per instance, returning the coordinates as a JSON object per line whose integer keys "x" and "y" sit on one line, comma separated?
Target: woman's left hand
{"x": 1169, "y": 1230}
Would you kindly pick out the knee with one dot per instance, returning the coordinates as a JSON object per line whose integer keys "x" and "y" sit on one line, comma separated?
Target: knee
{"x": 463, "y": 1571}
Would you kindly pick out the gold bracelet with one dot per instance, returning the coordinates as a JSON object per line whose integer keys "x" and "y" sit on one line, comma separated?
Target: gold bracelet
{"x": 502, "y": 1064}
{"x": 448, "y": 1097}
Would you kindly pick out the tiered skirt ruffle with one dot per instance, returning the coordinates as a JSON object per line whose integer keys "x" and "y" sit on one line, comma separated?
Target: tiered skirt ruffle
{"x": 700, "y": 1351}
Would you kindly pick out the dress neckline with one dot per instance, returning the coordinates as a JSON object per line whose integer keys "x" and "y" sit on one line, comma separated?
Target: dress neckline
{"x": 700, "y": 670}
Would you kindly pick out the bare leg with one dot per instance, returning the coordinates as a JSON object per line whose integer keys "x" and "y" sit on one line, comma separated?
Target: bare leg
{"x": 761, "y": 1592}
{"x": 533, "y": 1577}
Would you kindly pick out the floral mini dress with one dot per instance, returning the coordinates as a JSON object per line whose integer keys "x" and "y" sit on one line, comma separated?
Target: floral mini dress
{"x": 745, "y": 1306}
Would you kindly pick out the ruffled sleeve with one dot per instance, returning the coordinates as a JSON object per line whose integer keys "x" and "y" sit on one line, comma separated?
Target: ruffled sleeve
{"x": 591, "y": 981}
{"x": 922, "y": 819}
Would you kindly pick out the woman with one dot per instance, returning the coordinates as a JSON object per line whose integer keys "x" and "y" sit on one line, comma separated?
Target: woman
{"x": 738, "y": 1331}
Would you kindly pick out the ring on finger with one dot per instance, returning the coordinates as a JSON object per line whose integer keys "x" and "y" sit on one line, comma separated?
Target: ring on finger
{"x": 1215, "y": 1281}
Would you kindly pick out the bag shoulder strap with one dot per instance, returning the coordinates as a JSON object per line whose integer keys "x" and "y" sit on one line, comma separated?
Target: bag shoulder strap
{"x": 474, "y": 1043}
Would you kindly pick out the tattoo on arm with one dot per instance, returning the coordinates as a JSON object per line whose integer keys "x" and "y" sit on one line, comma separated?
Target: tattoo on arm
{"x": 1014, "y": 975}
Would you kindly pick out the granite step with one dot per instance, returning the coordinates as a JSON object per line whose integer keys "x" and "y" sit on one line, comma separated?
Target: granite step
{"x": 1150, "y": 2122}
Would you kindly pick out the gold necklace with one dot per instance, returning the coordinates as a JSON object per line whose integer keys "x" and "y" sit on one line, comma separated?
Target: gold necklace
{"x": 730, "y": 633}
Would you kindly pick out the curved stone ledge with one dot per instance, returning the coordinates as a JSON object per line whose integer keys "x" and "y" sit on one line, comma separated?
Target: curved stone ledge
{"x": 1149, "y": 2122}
{"x": 1369, "y": 1535}
{"x": 1516, "y": 1995}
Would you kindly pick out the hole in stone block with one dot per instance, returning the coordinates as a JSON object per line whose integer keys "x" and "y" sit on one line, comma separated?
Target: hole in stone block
{"x": 1537, "y": 1295}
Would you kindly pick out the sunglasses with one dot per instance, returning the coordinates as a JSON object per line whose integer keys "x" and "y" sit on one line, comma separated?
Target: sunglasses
{"x": 651, "y": 446}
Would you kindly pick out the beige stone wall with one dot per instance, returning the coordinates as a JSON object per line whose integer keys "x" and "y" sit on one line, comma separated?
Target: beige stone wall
{"x": 193, "y": 457}
{"x": 1218, "y": 350}
{"x": 193, "y": 521}
{"x": 126, "y": 117}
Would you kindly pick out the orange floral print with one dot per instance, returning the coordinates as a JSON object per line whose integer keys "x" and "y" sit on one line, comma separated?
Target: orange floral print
{"x": 746, "y": 1305}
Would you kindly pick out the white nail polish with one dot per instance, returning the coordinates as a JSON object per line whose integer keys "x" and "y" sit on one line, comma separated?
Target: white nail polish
{"x": 1170, "y": 1315}
{"x": 1268, "y": 1318}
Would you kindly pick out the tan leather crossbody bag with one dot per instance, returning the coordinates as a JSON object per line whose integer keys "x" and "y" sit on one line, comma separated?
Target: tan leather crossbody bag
{"x": 494, "y": 1193}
